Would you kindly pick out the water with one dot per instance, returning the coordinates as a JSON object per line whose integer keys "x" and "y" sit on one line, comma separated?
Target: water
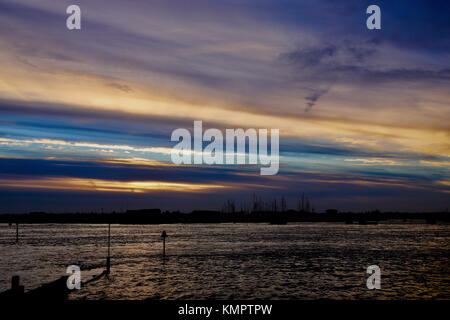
{"x": 235, "y": 261}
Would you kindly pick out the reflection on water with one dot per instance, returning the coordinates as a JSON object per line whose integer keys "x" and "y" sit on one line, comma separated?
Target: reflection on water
{"x": 235, "y": 261}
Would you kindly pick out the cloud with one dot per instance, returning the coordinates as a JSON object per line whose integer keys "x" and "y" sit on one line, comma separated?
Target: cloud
{"x": 135, "y": 73}
{"x": 351, "y": 61}
{"x": 312, "y": 99}
{"x": 77, "y": 184}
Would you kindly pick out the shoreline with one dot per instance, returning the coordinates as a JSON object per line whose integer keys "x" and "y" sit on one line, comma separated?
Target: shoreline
{"x": 155, "y": 216}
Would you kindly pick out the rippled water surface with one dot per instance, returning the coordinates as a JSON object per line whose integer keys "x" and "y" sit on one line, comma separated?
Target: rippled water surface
{"x": 234, "y": 261}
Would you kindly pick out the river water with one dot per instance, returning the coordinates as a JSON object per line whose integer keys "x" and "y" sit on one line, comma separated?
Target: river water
{"x": 234, "y": 261}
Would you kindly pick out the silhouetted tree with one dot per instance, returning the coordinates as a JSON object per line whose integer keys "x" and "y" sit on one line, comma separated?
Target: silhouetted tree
{"x": 307, "y": 207}
{"x": 283, "y": 204}
{"x": 229, "y": 207}
{"x": 274, "y": 205}
{"x": 301, "y": 203}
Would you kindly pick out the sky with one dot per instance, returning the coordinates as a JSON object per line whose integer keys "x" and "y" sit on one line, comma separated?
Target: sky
{"x": 86, "y": 115}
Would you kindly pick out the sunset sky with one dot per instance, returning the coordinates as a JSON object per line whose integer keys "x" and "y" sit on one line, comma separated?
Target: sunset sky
{"x": 86, "y": 115}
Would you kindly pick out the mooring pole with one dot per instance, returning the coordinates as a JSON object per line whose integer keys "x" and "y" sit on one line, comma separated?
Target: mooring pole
{"x": 16, "y": 289}
{"x": 164, "y": 236}
{"x": 164, "y": 247}
{"x": 108, "y": 258}
{"x": 17, "y": 232}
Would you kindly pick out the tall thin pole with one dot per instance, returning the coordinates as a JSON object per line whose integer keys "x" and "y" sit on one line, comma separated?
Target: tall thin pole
{"x": 164, "y": 236}
{"x": 17, "y": 232}
{"x": 108, "y": 259}
{"x": 164, "y": 247}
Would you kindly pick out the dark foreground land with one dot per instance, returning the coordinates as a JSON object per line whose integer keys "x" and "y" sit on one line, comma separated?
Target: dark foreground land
{"x": 155, "y": 216}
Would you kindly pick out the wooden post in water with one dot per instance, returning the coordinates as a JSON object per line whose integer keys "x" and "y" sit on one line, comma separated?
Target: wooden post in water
{"x": 164, "y": 236}
{"x": 16, "y": 289}
{"x": 108, "y": 258}
{"x": 17, "y": 232}
{"x": 15, "y": 282}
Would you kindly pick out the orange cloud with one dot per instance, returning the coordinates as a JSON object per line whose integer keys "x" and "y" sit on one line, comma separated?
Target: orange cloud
{"x": 81, "y": 184}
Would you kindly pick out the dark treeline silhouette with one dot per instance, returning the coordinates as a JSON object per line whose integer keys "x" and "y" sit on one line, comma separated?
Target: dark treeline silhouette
{"x": 205, "y": 216}
{"x": 257, "y": 210}
{"x": 274, "y": 211}
{"x": 274, "y": 205}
